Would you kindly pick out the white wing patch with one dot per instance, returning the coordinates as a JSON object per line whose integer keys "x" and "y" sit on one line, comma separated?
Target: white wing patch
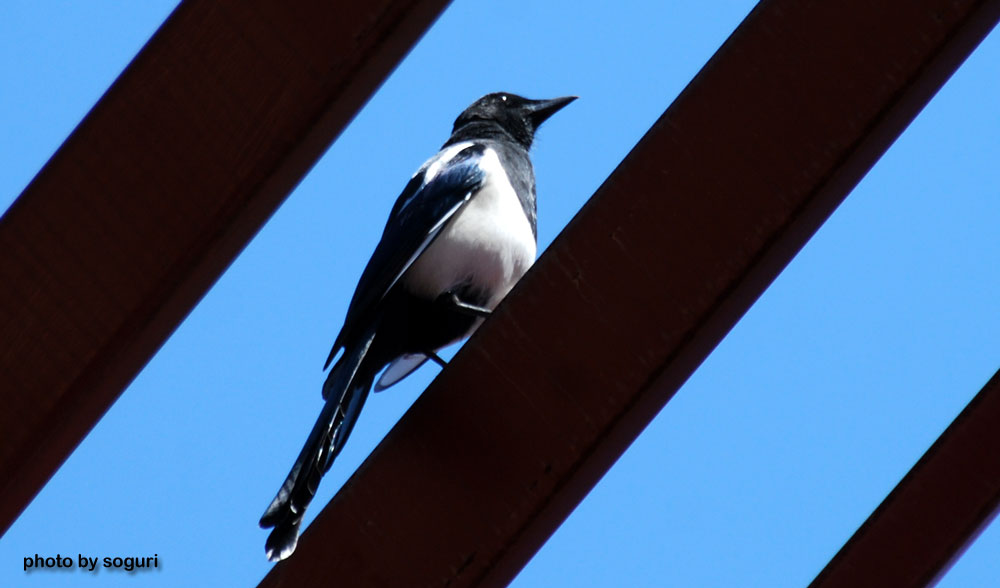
{"x": 437, "y": 162}
{"x": 432, "y": 167}
{"x": 399, "y": 369}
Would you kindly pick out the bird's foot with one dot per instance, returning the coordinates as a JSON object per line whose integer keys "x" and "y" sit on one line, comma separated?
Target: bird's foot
{"x": 435, "y": 358}
{"x": 457, "y": 304}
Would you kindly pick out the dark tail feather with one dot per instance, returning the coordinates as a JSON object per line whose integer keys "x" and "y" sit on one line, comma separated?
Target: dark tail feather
{"x": 345, "y": 389}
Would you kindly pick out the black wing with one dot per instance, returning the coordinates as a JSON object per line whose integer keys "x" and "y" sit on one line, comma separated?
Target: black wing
{"x": 417, "y": 217}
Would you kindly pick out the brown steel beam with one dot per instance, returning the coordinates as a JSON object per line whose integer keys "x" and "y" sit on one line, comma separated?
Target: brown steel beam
{"x": 675, "y": 246}
{"x": 155, "y": 192}
{"x": 935, "y": 511}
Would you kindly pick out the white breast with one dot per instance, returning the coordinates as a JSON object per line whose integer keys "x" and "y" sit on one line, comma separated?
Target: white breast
{"x": 489, "y": 243}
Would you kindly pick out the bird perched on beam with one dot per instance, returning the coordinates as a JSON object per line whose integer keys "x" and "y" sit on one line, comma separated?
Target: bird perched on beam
{"x": 458, "y": 238}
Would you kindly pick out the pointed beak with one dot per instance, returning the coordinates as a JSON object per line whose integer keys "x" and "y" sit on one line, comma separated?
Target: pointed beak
{"x": 540, "y": 110}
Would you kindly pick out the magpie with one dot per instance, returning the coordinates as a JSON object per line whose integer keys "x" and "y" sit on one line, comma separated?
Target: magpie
{"x": 458, "y": 238}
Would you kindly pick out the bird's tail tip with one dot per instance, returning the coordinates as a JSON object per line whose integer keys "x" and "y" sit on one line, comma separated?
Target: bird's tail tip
{"x": 282, "y": 541}
{"x": 281, "y": 514}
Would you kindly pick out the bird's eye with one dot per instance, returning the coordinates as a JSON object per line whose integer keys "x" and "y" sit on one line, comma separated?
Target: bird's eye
{"x": 504, "y": 98}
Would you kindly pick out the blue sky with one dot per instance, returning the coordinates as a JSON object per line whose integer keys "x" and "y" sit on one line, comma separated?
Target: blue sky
{"x": 766, "y": 461}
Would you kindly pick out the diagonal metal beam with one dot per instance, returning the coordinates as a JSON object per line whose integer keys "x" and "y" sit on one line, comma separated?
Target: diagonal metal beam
{"x": 704, "y": 212}
{"x": 935, "y": 511}
{"x": 155, "y": 192}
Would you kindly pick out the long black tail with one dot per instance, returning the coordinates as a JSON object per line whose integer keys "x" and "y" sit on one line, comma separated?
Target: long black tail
{"x": 345, "y": 390}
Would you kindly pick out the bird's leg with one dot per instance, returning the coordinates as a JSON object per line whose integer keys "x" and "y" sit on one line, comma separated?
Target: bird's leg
{"x": 435, "y": 358}
{"x": 452, "y": 299}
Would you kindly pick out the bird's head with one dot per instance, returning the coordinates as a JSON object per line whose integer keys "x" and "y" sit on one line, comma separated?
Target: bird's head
{"x": 518, "y": 117}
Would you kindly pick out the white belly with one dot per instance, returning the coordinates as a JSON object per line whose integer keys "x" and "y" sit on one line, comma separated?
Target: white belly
{"x": 489, "y": 244}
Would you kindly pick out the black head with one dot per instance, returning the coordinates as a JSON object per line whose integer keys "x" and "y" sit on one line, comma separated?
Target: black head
{"x": 515, "y": 116}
